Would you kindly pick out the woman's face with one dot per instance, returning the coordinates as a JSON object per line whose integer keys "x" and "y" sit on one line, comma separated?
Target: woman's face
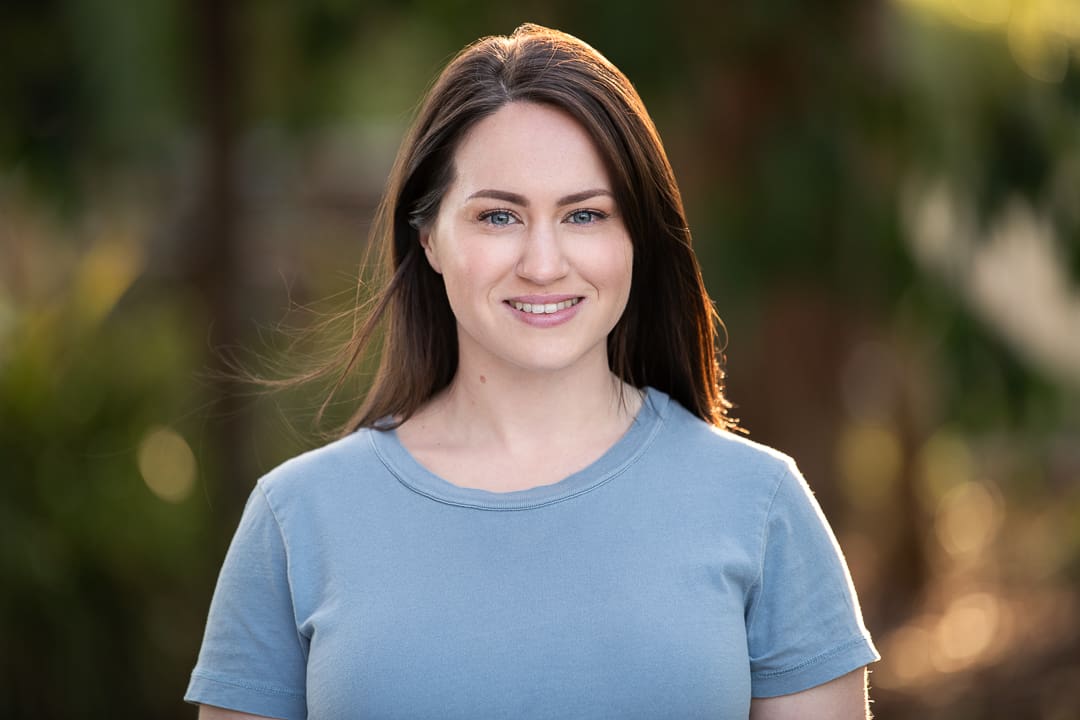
{"x": 531, "y": 245}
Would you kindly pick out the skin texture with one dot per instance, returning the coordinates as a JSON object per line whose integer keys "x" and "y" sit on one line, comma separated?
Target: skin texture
{"x": 529, "y": 214}
{"x": 209, "y": 712}
{"x": 841, "y": 699}
{"x": 529, "y": 240}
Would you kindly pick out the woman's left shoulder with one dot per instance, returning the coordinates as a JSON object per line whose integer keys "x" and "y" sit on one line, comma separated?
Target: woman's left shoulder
{"x": 715, "y": 448}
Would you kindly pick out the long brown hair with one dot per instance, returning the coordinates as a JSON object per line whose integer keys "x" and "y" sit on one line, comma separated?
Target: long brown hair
{"x": 667, "y": 335}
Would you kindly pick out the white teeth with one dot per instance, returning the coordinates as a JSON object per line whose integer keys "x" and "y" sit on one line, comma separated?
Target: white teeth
{"x": 546, "y": 308}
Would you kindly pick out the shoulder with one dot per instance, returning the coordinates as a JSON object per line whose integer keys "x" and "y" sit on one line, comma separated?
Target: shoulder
{"x": 715, "y": 452}
{"x": 321, "y": 469}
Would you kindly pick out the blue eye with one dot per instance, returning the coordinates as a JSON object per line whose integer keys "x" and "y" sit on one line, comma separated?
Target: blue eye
{"x": 497, "y": 217}
{"x": 585, "y": 217}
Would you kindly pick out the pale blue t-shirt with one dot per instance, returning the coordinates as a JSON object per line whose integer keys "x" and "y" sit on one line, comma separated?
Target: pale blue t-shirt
{"x": 683, "y": 572}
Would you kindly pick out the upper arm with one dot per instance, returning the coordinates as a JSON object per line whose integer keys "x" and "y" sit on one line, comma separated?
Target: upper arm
{"x": 803, "y": 623}
{"x": 844, "y": 698}
{"x": 253, "y": 655}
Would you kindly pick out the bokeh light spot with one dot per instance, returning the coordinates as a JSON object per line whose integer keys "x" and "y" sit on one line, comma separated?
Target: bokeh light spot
{"x": 167, "y": 464}
{"x": 870, "y": 460}
{"x": 105, "y": 274}
{"x": 1037, "y": 50}
{"x": 987, "y": 12}
{"x": 967, "y": 519}
{"x": 906, "y": 654}
{"x": 1039, "y": 32}
{"x": 944, "y": 462}
{"x": 965, "y": 631}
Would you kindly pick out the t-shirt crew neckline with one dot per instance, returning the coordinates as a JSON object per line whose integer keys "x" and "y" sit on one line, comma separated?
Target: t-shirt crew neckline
{"x": 634, "y": 442}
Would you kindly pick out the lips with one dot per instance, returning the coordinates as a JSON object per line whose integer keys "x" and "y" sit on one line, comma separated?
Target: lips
{"x": 544, "y": 311}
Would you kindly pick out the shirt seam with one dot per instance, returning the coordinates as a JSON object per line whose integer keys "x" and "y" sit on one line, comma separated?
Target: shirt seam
{"x": 249, "y": 685}
{"x": 627, "y": 464}
{"x": 288, "y": 555}
{"x": 778, "y": 476}
{"x": 858, "y": 640}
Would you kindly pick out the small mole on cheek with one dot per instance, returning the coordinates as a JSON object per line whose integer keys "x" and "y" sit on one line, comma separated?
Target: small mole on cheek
{"x": 483, "y": 379}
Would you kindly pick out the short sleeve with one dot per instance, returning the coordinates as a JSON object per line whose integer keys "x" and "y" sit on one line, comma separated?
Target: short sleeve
{"x": 804, "y": 626}
{"x": 253, "y": 659}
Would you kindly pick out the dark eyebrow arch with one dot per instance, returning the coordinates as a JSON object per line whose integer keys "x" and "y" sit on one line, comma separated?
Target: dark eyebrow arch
{"x": 583, "y": 195}
{"x": 500, "y": 195}
{"x": 520, "y": 199}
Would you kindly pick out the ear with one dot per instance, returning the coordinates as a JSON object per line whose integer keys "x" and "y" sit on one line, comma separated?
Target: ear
{"x": 429, "y": 250}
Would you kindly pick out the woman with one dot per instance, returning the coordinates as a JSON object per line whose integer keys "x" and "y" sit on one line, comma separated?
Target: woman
{"x": 540, "y": 510}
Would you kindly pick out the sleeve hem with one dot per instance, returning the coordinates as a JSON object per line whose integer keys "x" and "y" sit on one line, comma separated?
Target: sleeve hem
{"x": 246, "y": 696}
{"x": 829, "y": 665}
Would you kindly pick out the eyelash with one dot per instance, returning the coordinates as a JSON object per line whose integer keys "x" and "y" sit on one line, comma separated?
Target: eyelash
{"x": 486, "y": 216}
{"x": 597, "y": 215}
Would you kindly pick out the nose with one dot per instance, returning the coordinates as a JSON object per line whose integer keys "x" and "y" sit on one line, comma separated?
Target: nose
{"x": 542, "y": 260}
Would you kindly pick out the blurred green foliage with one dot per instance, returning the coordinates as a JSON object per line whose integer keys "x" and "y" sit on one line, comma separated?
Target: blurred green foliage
{"x": 884, "y": 201}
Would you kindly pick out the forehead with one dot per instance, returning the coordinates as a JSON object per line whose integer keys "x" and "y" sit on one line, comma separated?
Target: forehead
{"x": 532, "y": 149}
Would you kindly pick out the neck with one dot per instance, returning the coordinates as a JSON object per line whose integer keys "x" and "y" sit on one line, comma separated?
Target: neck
{"x": 527, "y": 409}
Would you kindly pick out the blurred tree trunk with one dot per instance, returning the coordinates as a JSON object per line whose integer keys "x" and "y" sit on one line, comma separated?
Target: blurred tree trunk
{"x": 215, "y": 267}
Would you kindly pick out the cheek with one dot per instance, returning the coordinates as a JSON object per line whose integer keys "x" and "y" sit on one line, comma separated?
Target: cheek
{"x": 485, "y": 261}
{"x": 626, "y": 276}
{"x": 628, "y": 262}
{"x": 621, "y": 274}
{"x": 468, "y": 275}
{"x": 612, "y": 264}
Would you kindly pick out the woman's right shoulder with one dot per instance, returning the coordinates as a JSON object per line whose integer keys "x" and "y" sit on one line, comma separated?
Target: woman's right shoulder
{"x": 322, "y": 468}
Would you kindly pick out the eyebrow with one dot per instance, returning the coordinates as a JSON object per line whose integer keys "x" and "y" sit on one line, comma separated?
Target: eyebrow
{"x": 522, "y": 201}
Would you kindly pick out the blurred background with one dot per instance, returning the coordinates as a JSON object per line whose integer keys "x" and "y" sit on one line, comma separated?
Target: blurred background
{"x": 885, "y": 196}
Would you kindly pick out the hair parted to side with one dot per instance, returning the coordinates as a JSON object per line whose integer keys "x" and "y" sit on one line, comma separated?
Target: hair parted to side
{"x": 667, "y": 335}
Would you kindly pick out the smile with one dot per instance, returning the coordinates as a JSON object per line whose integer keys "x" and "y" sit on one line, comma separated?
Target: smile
{"x": 546, "y": 308}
